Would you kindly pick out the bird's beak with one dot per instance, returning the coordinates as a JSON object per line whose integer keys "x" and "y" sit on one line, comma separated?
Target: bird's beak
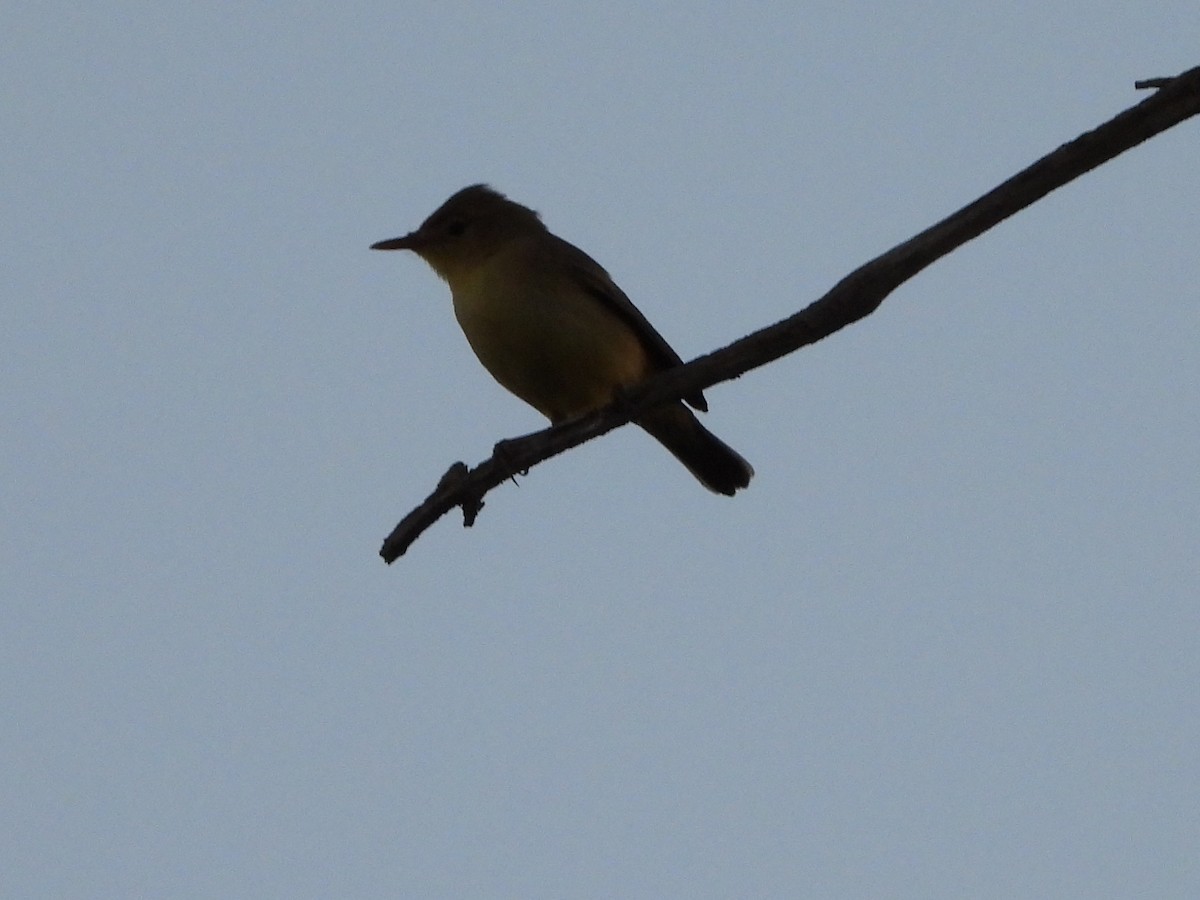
{"x": 409, "y": 241}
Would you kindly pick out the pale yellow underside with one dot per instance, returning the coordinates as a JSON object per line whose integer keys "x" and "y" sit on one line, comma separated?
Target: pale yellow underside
{"x": 550, "y": 342}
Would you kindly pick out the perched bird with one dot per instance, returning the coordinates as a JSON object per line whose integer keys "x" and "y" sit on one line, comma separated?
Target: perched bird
{"x": 550, "y": 325}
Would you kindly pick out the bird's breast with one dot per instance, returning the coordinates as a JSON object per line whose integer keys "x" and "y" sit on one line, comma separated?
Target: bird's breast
{"x": 546, "y": 339}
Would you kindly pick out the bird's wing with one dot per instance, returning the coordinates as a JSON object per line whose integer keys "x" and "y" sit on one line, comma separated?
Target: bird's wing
{"x": 600, "y": 284}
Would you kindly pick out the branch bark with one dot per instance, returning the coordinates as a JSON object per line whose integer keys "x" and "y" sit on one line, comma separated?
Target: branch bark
{"x": 857, "y": 295}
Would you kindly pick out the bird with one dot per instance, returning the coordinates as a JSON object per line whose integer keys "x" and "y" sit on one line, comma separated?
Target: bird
{"x": 550, "y": 324}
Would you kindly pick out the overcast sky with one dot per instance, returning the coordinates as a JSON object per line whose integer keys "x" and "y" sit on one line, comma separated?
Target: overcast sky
{"x": 947, "y": 644}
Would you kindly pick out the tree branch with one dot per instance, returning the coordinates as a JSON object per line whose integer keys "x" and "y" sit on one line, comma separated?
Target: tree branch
{"x": 857, "y": 295}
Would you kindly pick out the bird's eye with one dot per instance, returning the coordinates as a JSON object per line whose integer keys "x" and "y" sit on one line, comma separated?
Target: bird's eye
{"x": 456, "y": 228}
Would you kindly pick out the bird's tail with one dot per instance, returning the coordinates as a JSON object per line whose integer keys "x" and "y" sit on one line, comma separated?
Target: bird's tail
{"x": 715, "y": 464}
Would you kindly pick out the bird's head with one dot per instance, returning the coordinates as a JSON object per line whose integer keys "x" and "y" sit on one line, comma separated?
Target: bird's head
{"x": 467, "y": 230}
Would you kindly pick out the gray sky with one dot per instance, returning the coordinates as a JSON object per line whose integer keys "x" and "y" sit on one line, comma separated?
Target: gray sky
{"x": 945, "y": 646}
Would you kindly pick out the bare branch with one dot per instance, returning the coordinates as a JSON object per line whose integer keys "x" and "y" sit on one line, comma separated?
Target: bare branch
{"x": 857, "y": 295}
